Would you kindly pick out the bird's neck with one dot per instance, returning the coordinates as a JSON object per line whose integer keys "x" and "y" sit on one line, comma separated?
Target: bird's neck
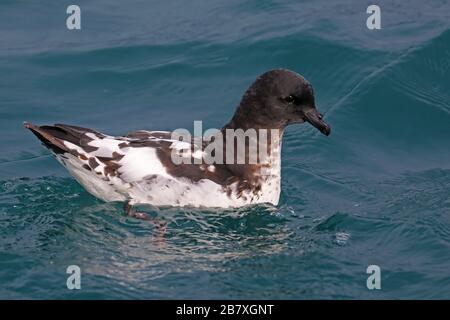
{"x": 259, "y": 129}
{"x": 247, "y": 117}
{"x": 261, "y": 157}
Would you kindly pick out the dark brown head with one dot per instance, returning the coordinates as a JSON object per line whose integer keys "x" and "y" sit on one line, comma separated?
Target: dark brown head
{"x": 277, "y": 99}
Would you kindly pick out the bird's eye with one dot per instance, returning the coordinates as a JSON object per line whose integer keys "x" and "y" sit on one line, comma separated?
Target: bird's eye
{"x": 289, "y": 99}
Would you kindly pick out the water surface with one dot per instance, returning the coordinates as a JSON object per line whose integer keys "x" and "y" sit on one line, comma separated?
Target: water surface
{"x": 375, "y": 192}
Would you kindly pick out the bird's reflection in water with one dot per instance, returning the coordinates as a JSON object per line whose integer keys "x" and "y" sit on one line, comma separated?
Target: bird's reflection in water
{"x": 178, "y": 240}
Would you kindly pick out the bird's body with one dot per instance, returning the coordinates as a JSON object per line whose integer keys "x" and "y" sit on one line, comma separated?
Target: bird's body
{"x": 138, "y": 168}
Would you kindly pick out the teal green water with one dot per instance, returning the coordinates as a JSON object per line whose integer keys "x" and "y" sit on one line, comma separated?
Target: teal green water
{"x": 377, "y": 191}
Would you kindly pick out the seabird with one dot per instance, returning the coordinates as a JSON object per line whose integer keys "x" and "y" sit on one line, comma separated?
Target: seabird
{"x": 137, "y": 168}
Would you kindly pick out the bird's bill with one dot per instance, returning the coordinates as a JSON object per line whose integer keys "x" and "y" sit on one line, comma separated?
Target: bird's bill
{"x": 316, "y": 119}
